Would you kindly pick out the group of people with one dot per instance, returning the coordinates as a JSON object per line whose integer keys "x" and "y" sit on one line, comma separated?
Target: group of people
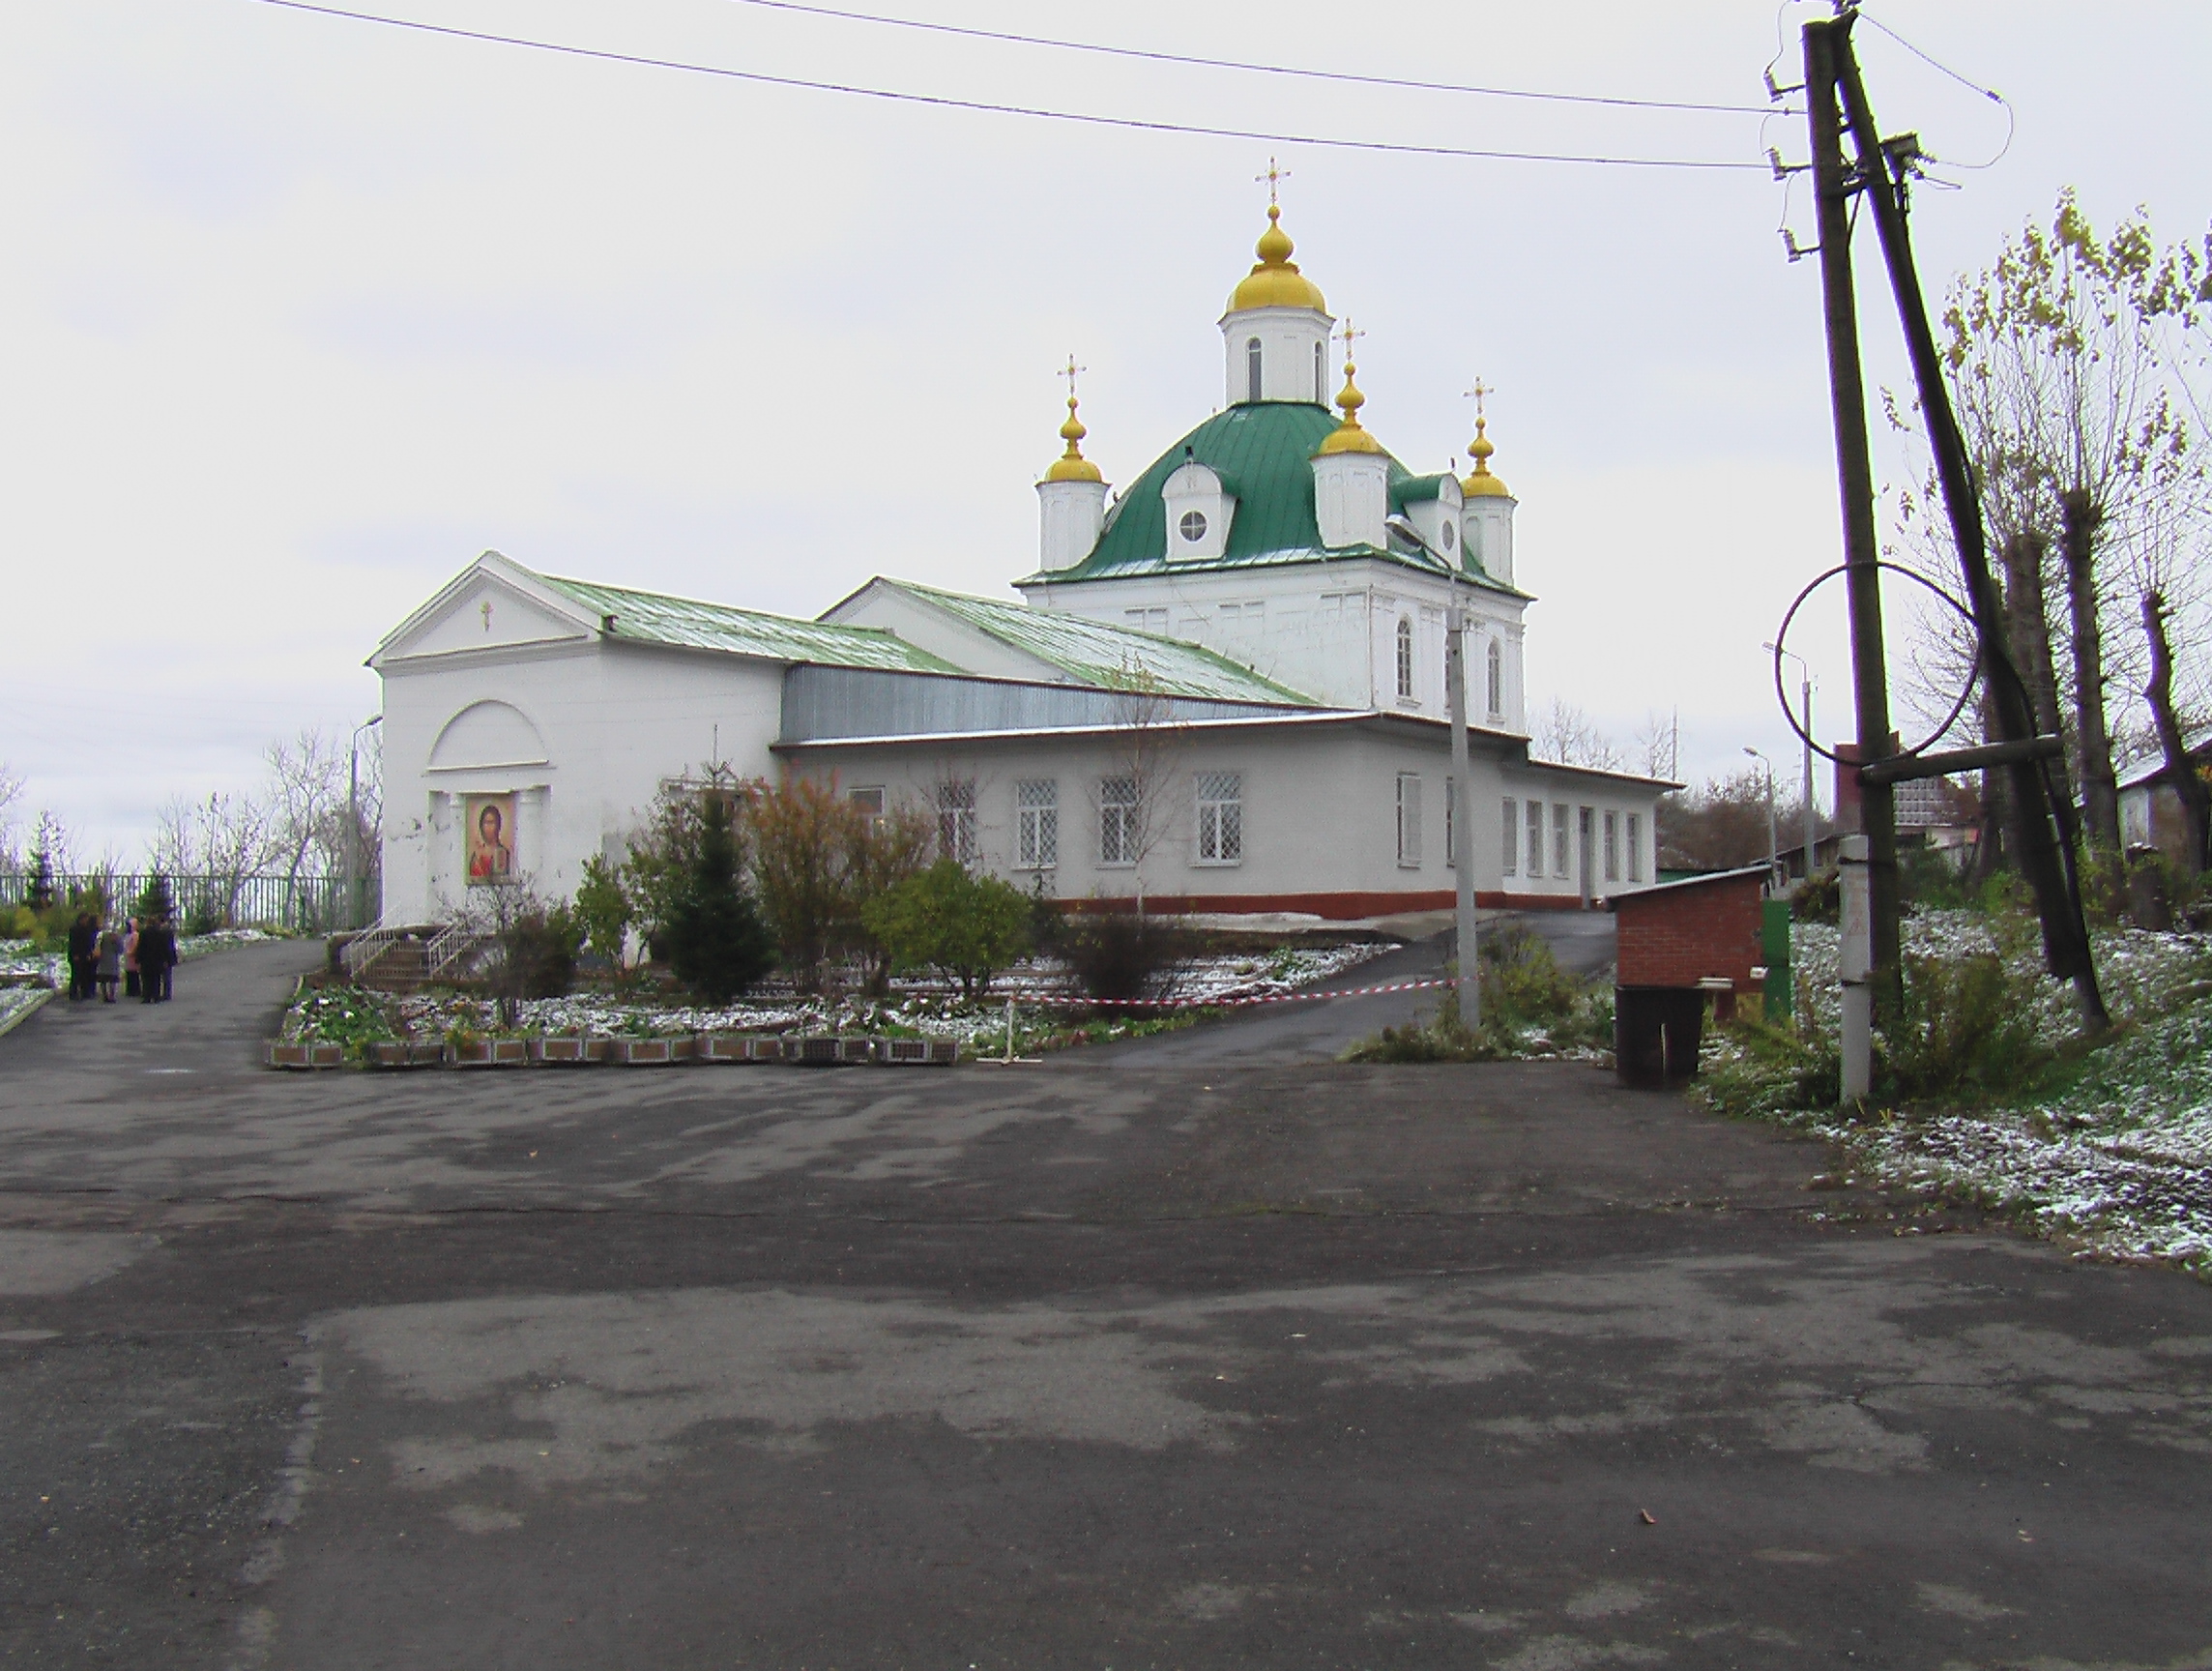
{"x": 139, "y": 955}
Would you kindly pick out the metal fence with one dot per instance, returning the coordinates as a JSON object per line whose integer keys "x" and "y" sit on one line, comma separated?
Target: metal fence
{"x": 308, "y": 904}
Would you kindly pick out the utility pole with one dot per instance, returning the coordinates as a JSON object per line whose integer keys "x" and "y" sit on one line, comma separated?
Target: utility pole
{"x": 1833, "y": 183}
{"x": 2044, "y": 855}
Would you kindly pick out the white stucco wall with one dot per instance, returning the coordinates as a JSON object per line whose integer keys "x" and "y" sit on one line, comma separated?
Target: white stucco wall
{"x": 615, "y": 718}
{"x": 1326, "y": 630}
{"x": 1319, "y": 810}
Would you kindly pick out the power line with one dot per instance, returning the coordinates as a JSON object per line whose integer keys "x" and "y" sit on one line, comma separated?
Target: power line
{"x": 989, "y": 107}
{"x": 1155, "y": 57}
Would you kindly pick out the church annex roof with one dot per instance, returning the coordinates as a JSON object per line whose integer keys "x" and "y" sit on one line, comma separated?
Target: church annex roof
{"x": 1111, "y": 658}
{"x": 1263, "y": 450}
{"x": 655, "y": 618}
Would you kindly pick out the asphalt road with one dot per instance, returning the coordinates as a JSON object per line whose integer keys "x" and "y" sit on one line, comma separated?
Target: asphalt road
{"x": 1115, "y": 1362}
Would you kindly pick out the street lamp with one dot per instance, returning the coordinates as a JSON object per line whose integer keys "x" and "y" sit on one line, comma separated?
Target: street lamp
{"x": 354, "y": 876}
{"x": 1811, "y": 809}
{"x": 1772, "y": 858}
{"x": 1469, "y": 989}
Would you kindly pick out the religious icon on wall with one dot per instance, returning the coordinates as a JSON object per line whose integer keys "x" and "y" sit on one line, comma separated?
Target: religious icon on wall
{"x": 492, "y": 839}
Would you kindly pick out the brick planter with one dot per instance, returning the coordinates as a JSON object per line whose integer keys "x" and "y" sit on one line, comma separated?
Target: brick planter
{"x": 564, "y": 1049}
{"x": 306, "y": 1054}
{"x": 406, "y": 1053}
{"x": 918, "y": 1052}
{"x": 725, "y": 1047}
{"x": 651, "y": 1052}
{"x": 491, "y": 1054}
{"x": 826, "y": 1050}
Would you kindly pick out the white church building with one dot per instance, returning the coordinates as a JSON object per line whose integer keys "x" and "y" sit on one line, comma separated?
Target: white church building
{"x": 1223, "y": 688}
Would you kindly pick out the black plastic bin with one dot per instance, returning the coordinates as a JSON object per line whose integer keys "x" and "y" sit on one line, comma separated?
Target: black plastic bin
{"x": 1655, "y": 1034}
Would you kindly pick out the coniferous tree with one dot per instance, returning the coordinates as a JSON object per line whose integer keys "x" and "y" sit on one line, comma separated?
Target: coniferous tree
{"x": 717, "y": 942}
{"x": 155, "y": 900}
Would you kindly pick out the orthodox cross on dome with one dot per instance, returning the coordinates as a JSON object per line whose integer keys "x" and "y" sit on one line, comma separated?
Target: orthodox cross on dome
{"x": 1071, "y": 465}
{"x": 1273, "y": 176}
{"x": 1482, "y": 447}
{"x": 1347, "y": 436}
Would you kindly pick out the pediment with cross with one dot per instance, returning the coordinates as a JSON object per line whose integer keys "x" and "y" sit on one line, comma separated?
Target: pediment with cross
{"x": 490, "y": 605}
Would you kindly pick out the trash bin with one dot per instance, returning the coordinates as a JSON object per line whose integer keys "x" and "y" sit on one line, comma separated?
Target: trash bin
{"x": 1656, "y": 1030}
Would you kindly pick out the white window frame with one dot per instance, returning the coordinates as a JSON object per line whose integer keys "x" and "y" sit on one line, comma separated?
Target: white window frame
{"x": 1495, "y": 657}
{"x": 956, "y": 820}
{"x": 1255, "y": 361}
{"x": 1562, "y": 839}
{"x": 1612, "y": 845}
{"x": 1036, "y": 818}
{"x": 1408, "y": 820}
{"x": 1535, "y": 819}
{"x": 1636, "y": 846}
{"x": 1118, "y": 804}
{"x": 1405, "y": 658}
{"x": 1510, "y": 829}
{"x": 1220, "y": 798}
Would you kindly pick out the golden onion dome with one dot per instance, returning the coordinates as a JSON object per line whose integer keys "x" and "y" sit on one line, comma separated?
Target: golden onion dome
{"x": 1482, "y": 485}
{"x": 1275, "y": 280}
{"x": 1071, "y": 465}
{"x": 1349, "y": 436}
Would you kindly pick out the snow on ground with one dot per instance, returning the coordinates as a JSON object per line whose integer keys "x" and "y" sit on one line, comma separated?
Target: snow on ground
{"x": 1040, "y": 991}
{"x": 2120, "y": 1161}
{"x": 21, "y": 958}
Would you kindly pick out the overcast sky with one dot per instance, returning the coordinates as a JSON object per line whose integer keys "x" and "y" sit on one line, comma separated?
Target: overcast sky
{"x": 298, "y": 315}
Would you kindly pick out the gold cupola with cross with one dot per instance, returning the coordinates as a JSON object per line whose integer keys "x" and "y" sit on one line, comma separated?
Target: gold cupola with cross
{"x": 1276, "y": 330}
{"x": 1487, "y": 511}
{"x": 1071, "y": 499}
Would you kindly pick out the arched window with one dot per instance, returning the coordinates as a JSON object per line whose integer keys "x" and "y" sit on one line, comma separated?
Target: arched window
{"x": 1252, "y": 370}
{"x": 1319, "y": 375}
{"x": 1405, "y": 659}
{"x": 1496, "y": 680}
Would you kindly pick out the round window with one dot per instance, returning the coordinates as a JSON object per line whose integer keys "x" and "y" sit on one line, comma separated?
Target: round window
{"x": 1448, "y": 537}
{"x": 1192, "y": 527}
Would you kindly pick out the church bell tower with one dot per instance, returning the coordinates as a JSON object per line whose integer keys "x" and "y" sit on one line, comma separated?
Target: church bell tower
{"x": 1276, "y": 333}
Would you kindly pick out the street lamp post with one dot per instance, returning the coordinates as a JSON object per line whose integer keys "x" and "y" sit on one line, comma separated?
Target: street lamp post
{"x": 1811, "y": 809}
{"x": 1462, "y": 850}
{"x": 1773, "y": 854}
{"x": 354, "y": 877}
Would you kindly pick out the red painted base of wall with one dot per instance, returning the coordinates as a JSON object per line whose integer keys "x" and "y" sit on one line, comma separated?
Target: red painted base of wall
{"x": 1334, "y": 907}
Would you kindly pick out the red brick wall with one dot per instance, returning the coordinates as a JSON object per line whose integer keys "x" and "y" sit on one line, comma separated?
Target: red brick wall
{"x": 1679, "y": 936}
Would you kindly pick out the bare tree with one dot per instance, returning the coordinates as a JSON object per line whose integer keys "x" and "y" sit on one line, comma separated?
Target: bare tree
{"x": 1659, "y": 744}
{"x": 306, "y": 806}
{"x": 222, "y": 839}
{"x": 11, "y": 796}
{"x": 1569, "y": 737}
{"x": 1139, "y": 800}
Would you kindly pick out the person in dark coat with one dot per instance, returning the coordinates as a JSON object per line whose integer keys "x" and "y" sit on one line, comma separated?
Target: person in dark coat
{"x": 83, "y": 952}
{"x": 157, "y": 957}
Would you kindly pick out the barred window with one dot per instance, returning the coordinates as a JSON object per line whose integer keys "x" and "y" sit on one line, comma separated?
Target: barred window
{"x": 1116, "y": 821}
{"x": 1220, "y": 818}
{"x": 1036, "y": 812}
{"x": 1563, "y": 845}
{"x": 957, "y": 821}
{"x": 1613, "y": 847}
{"x": 1496, "y": 680}
{"x": 1535, "y": 838}
{"x": 1636, "y": 846}
{"x": 1410, "y": 820}
{"x": 1405, "y": 659}
{"x": 1510, "y": 834}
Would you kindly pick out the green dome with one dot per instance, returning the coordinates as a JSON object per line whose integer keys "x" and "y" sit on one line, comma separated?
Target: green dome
{"x": 1263, "y": 454}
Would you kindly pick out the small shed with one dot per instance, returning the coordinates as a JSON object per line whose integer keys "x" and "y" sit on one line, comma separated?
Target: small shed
{"x": 1679, "y": 943}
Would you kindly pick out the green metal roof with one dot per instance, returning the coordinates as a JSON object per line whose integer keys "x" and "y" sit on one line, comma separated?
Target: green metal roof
{"x": 1115, "y": 657}
{"x": 1263, "y": 450}
{"x": 653, "y": 618}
